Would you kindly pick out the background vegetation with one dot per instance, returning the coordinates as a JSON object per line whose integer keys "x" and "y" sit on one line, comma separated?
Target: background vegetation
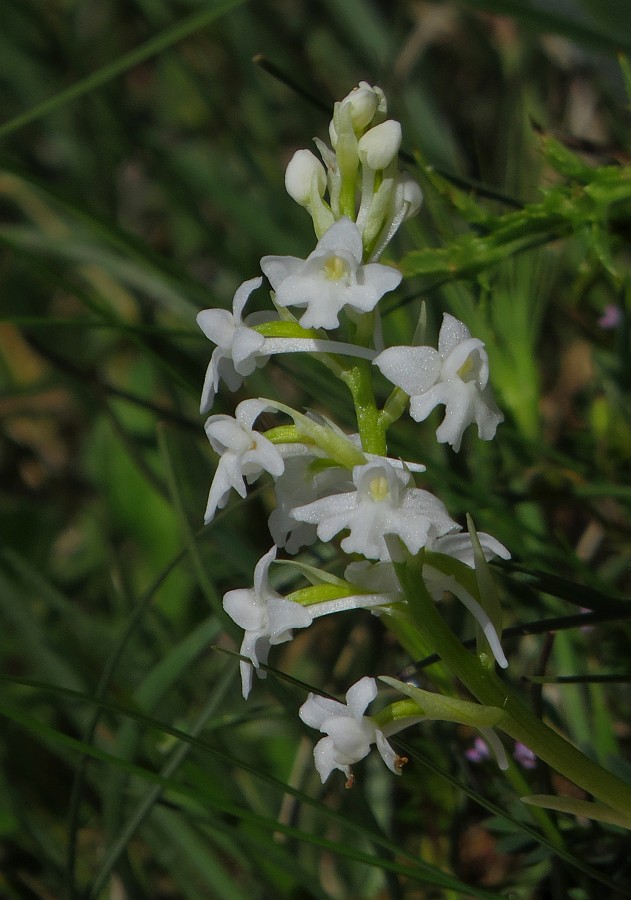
{"x": 142, "y": 156}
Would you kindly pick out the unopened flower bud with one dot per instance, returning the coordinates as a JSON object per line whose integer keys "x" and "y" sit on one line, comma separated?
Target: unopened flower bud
{"x": 367, "y": 106}
{"x": 408, "y": 192}
{"x": 303, "y": 168}
{"x": 363, "y": 101}
{"x": 379, "y": 146}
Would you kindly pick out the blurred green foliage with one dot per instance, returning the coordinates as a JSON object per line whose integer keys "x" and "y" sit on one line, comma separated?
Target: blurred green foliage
{"x": 141, "y": 179}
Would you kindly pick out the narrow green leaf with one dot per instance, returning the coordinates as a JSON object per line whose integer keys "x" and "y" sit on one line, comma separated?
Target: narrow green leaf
{"x": 583, "y": 808}
{"x": 126, "y": 61}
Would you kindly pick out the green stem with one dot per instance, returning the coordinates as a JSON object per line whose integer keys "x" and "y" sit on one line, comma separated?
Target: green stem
{"x": 358, "y": 379}
{"x": 520, "y": 723}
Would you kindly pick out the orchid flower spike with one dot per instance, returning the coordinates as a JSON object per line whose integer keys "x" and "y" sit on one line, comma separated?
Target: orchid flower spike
{"x": 457, "y": 375}
{"x": 266, "y": 618}
{"x": 349, "y": 733}
{"x": 331, "y": 278}
{"x": 244, "y": 453}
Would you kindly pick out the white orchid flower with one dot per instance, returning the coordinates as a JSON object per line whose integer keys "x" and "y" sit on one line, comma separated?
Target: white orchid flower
{"x": 457, "y": 375}
{"x": 239, "y": 348}
{"x": 384, "y": 502}
{"x": 266, "y": 618}
{"x": 349, "y": 733}
{"x": 331, "y": 278}
{"x": 244, "y": 453}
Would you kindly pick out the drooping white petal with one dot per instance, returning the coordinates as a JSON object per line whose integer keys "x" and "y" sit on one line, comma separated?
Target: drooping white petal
{"x": 239, "y": 348}
{"x": 437, "y": 582}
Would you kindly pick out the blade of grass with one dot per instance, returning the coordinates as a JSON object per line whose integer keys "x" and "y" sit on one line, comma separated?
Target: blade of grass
{"x": 546, "y": 20}
{"x": 425, "y": 872}
{"x": 178, "y": 756}
{"x": 126, "y": 61}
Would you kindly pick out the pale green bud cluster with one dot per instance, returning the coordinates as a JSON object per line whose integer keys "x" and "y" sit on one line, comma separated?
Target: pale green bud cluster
{"x": 360, "y": 172}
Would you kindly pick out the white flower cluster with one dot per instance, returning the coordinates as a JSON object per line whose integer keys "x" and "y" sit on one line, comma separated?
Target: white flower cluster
{"x": 328, "y": 483}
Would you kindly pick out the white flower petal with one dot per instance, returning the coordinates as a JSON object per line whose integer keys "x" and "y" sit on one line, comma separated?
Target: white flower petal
{"x": 244, "y": 608}
{"x": 388, "y": 755}
{"x": 217, "y": 325}
{"x": 239, "y": 348}
{"x": 285, "y": 615}
{"x": 316, "y": 709}
{"x": 246, "y": 350}
{"x": 414, "y": 369}
{"x": 452, "y": 333}
{"x": 343, "y": 236}
{"x": 325, "y": 758}
{"x": 242, "y": 295}
{"x": 360, "y": 694}
{"x": 459, "y": 546}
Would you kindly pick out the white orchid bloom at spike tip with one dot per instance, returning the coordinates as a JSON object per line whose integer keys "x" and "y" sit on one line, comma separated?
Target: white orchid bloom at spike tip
{"x": 384, "y": 502}
{"x": 239, "y": 350}
{"x": 366, "y": 104}
{"x": 349, "y": 733}
{"x": 331, "y": 278}
{"x": 244, "y": 453}
{"x": 266, "y": 618}
{"x": 298, "y": 486}
{"x": 457, "y": 375}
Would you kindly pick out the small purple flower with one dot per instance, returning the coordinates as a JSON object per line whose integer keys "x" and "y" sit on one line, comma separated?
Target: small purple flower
{"x": 524, "y": 756}
{"x": 479, "y": 752}
{"x": 611, "y": 317}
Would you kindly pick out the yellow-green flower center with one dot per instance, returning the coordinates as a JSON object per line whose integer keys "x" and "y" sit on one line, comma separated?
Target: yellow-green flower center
{"x": 379, "y": 489}
{"x": 335, "y": 268}
{"x": 465, "y": 369}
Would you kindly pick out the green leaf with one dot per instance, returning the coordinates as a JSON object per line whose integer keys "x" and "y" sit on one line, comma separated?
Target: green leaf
{"x": 582, "y": 808}
{"x": 126, "y": 61}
